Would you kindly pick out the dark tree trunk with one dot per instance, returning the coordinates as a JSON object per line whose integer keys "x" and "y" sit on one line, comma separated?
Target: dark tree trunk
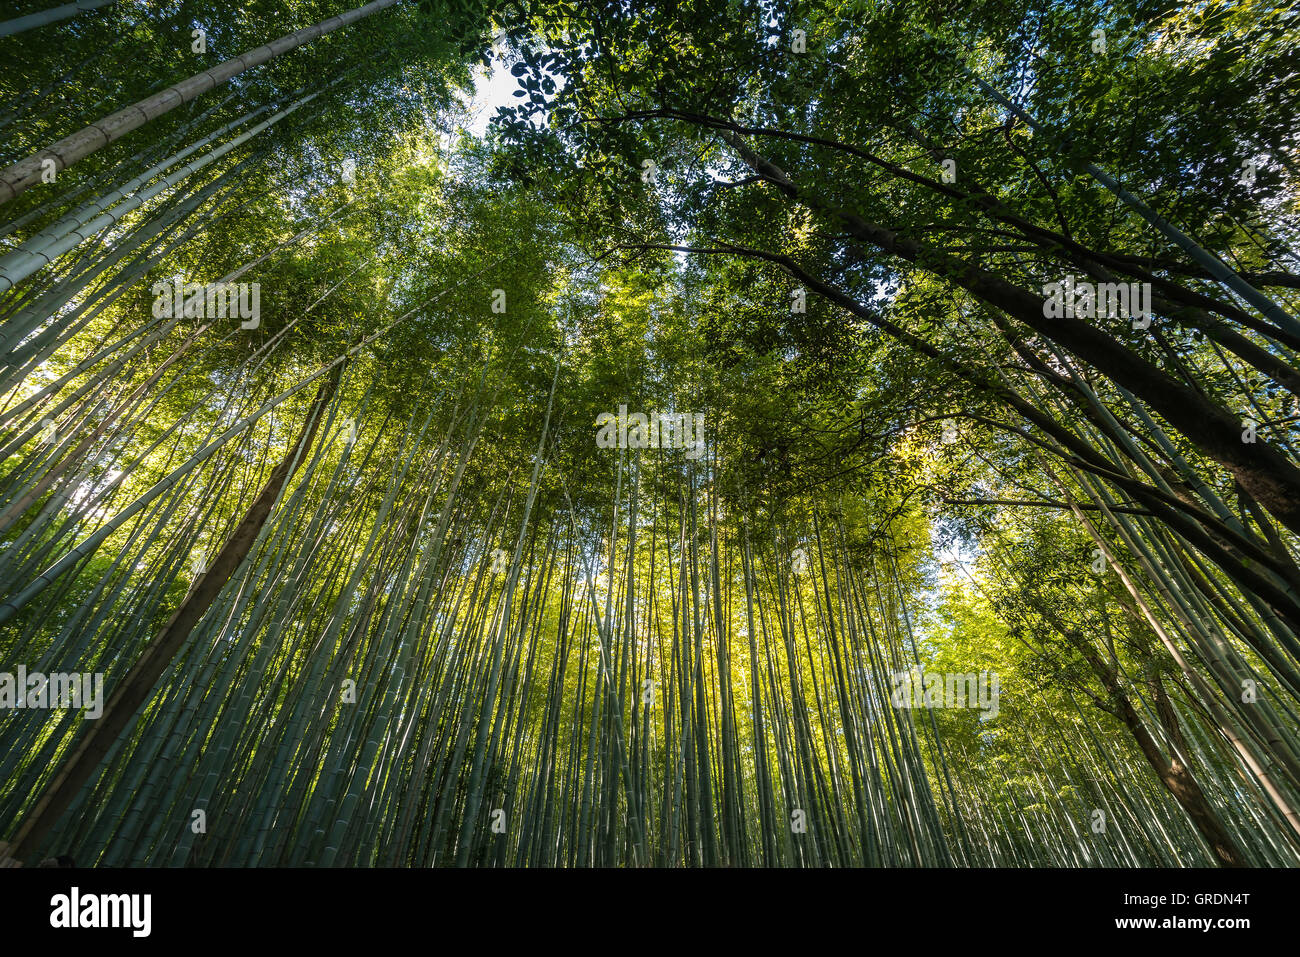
{"x": 1174, "y": 775}
{"x": 136, "y": 687}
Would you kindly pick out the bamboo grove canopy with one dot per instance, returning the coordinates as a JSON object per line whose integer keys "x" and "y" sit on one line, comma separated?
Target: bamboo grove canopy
{"x": 564, "y": 433}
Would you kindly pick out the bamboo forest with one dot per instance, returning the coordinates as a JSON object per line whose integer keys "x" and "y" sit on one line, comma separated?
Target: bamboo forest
{"x": 601, "y": 433}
